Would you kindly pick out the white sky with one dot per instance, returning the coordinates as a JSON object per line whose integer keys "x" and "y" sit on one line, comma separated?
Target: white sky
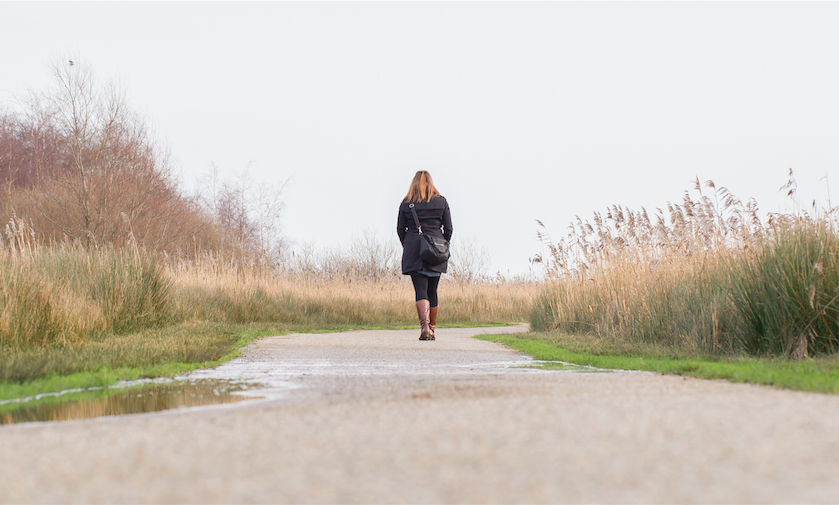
{"x": 521, "y": 111}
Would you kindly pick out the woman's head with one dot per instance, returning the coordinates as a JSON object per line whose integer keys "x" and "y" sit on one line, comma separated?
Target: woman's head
{"x": 422, "y": 188}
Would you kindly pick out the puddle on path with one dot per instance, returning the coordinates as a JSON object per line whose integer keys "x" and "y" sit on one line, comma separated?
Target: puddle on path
{"x": 242, "y": 379}
{"x": 150, "y": 397}
{"x": 562, "y": 366}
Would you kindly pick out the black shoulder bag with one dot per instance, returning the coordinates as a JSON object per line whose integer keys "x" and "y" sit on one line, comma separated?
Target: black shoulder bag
{"x": 433, "y": 250}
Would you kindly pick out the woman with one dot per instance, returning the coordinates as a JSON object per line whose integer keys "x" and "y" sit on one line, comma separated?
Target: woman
{"x": 433, "y": 212}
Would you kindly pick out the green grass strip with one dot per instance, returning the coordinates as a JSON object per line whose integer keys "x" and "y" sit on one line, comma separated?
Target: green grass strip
{"x": 807, "y": 375}
{"x": 105, "y": 377}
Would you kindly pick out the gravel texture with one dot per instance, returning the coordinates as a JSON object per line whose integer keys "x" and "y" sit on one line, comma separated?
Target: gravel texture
{"x": 378, "y": 416}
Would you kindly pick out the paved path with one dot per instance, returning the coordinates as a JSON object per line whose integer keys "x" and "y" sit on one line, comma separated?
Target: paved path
{"x": 379, "y": 417}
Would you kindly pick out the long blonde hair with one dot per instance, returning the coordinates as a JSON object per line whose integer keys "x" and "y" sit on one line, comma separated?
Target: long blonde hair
{"x": 422, "y": 188}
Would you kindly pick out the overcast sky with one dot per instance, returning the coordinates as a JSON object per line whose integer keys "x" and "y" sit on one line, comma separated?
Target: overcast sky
{"x": 520, "y": 111}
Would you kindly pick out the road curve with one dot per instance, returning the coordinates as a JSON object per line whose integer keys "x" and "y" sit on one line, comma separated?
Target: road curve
{"x": 379, "y": 417}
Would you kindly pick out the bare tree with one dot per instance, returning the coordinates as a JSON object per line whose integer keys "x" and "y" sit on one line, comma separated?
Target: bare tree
{"x": 268, "y": 213}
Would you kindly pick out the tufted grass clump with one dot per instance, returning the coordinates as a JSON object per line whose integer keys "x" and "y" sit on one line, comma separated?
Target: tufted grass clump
{"x": 785, "y": 295}
{"x": 60, "y": 296}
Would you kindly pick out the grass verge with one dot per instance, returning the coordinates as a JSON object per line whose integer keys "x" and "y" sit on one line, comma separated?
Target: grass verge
{"x": 161, "y": 353}
{"x": 818, "y": 375}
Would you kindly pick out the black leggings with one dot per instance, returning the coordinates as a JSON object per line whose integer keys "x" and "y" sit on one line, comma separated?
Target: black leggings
{"x": 426, "y": 288}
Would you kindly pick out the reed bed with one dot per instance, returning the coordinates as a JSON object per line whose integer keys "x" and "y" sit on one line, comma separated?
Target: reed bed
{"x": 708, "y": 276}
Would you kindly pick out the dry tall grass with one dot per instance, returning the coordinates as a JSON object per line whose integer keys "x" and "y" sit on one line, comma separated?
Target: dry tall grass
{"x": 64, "y": 294}
{"x": 710, "y": 277}
{"x": 209, "y": 290}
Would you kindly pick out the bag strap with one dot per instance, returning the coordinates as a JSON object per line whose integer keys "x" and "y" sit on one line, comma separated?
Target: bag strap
{"x": 416, "y": 219}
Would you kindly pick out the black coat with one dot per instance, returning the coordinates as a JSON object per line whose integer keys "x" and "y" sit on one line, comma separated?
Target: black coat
{"x": 436, "y": 219}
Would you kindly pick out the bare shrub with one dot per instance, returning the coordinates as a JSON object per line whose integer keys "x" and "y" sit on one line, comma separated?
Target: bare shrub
{"x": 81, "y": 165}
{"x": 367, "y": 257}
{"x": 469, "y": 260}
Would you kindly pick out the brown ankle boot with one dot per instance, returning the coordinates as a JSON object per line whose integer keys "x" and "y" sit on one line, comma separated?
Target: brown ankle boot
{"x": 432, "y": 321}
{"x": 422, "y": 311}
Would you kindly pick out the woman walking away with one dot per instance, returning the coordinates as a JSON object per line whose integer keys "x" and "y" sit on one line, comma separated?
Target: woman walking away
{"x": 425, "y": 205}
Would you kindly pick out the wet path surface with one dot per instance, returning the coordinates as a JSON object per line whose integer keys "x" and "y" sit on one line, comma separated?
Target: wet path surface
{"x": 379, "y": 417}
{"x": 277, "y": 365}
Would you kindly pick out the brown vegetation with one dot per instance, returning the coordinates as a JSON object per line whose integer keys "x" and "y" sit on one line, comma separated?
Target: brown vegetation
{"x": 710, "y": 277}
{"x": 79, "y": 166}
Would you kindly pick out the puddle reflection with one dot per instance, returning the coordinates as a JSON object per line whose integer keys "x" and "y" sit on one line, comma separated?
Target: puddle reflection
{"x": 134, "y": 400}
